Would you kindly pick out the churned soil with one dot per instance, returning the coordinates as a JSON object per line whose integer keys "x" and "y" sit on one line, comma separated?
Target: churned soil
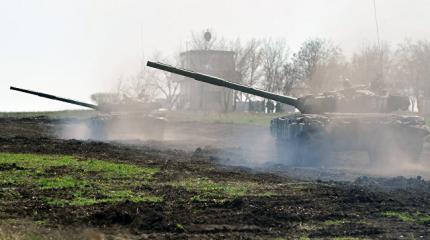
{"x": 290, "y": 208}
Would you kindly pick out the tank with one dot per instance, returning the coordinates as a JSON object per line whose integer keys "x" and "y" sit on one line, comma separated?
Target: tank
{"x": 353, "y": 119}
{"x": 128, "y": 119}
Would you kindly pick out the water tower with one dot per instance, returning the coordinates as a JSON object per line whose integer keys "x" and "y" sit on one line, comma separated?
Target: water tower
{"x": 203, "y": 97}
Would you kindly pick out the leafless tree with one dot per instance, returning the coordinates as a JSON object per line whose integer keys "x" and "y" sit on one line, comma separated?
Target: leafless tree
{"x": 141, "y": 85}
{"x": 164, "y": 82}
{"x": 292, "y": 77}
{"x": 274, "y": 57}
{"x": 314, "y": 64}
{"x": 248, "y": 62}
{"x": 411, "y": 67}
{"x": 371, "y": 65}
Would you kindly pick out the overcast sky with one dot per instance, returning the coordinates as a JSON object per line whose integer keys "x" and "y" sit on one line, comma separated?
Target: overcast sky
{"x": 78, "y": 47}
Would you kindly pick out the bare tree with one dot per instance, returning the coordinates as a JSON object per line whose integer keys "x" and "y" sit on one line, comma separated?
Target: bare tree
{"x": 292, "y": 76}
{"x": 313, "y": 62}
{"x": 248, "y": 62}
{"x": 411, "y": 67}
{"x": 164, "y": 82}
{"x": 371, "y": 65}
{"x": 274, "y": 57}
{"x": 141, "y": 85}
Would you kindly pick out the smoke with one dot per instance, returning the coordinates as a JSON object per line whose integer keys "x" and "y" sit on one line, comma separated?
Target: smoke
{"x": 80, "y": 130}
{"x": 254, "y": 147}
{"x": 139, "y": 126}
{"x": 367, "y": 147}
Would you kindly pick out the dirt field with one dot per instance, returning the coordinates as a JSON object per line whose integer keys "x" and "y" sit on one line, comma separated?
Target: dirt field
{"x": 203, "y": 182}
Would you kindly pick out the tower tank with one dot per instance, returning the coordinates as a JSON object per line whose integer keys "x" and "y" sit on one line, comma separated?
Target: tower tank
{"x": 353, "y": 119}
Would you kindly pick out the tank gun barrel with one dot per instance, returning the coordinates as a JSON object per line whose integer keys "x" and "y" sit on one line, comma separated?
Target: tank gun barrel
{"x": 224, "y": 83}
{"x": 49, "y": 96}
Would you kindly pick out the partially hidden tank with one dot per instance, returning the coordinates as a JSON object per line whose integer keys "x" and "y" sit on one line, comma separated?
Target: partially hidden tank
{"x": 121, "y": 120}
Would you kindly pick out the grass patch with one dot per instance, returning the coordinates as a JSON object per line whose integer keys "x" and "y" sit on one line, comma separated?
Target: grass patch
{"x": 179, "y": 227}
{"x": 407, "y": 217}
{"x": 52, "y": 114}
{"x": 260, "y": 119}
{"x": 349, "y": 238}
{"x": 334, "y": 222}
{"x": 14, "y": 177}
{"x": 109, "y": 169}
{"x": 60, "y": 182}
{"x": 33, "y": 237}
{"x": 85, "y": 182}
{"x": 116, "y": 196}
{"x": 36, "y": 164}
{"x": 207, "y": 189}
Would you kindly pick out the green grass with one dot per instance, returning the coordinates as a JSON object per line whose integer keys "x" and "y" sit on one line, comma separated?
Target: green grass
{"x": 33, "y": 237}
{"x": 259, "y": 119}
{"x": 114, "y": 198}
{"x": 61, "y": 182}
{"x": 349, "y": 238}
{"x": 52, "y": 114}
{"x": 179, "y": 227}
{"x": 35, "y": 164}
{"x": 334, "y": 222}
{"x": 207, "y": 189}
{"x": 84, "y": 182}
{"x": 88, "y": 182}
{"x": 407, "y": 217}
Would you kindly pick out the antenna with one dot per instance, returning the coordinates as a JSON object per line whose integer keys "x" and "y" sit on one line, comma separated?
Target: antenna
{"x": 376, "y": 23}
{"x": 380, "y": 76}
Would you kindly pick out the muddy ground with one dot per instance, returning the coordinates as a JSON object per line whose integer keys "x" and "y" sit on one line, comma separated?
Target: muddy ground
{"x": 303, "y": 203}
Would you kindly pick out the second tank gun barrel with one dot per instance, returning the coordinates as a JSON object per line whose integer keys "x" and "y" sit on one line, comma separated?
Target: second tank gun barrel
{"x": 224, "y": 83}
{"x": 49, "y": 96}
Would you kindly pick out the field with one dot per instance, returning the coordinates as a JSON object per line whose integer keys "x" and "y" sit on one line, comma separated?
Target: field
{"x": 193, "y": 185}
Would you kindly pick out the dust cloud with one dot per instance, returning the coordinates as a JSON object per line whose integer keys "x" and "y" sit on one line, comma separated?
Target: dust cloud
{"x": 247, "y": 146}
{"x": 114, "y": 128}
{"x": 379, "y": 150}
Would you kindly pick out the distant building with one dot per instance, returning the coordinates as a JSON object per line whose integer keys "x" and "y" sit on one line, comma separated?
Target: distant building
{"x": 195, "y": 95}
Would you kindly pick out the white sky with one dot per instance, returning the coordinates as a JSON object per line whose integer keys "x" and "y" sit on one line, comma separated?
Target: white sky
{"x": 77, "y": 47}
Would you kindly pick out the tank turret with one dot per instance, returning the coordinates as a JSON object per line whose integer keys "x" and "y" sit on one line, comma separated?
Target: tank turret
{"x": 350, "y": 100}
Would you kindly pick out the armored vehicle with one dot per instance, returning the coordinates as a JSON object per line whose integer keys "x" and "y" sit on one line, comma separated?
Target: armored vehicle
{"x": 353, "y": 119}
{"x": 113, "y": 121}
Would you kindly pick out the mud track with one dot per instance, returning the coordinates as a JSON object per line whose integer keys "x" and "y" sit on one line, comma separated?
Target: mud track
{"x": 314, "y": 209}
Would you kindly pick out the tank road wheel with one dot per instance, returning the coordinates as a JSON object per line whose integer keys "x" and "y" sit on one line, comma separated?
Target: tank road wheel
{"x": 303, "y": 151}
{"x": 312, "y": 151}
{"x": 287, "y": 151}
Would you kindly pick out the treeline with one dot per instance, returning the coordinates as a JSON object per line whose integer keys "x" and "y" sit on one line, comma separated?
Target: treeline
{"x": 317, "y": 66}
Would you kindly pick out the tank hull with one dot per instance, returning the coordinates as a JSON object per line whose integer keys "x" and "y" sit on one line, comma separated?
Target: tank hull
{"x": 311, "y": 139}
